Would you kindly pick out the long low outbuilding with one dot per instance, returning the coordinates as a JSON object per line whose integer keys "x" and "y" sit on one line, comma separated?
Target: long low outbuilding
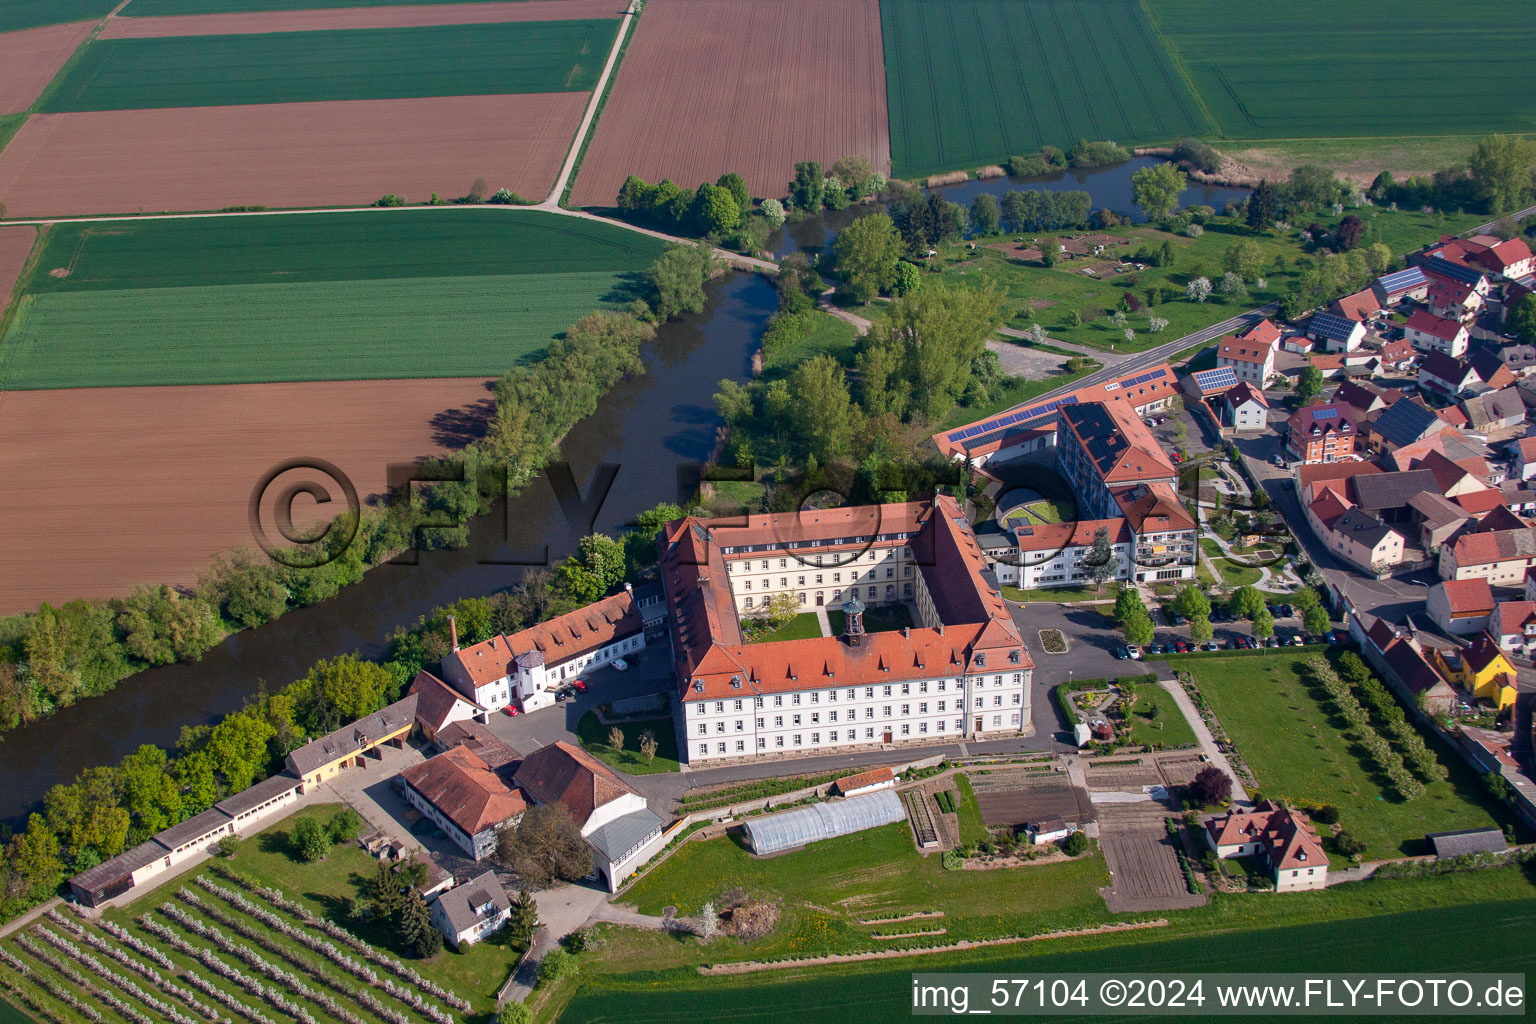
{"x": 788, "y": 830}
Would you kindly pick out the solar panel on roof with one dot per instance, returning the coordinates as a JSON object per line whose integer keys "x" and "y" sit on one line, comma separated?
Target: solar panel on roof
{"x": 1401, "y": 279}
{"x": 1326, "y": 414}
{"x": 1210, "y": 380}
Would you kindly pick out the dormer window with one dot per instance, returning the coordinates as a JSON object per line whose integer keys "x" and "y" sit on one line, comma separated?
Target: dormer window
{"x": 698, "y": 686}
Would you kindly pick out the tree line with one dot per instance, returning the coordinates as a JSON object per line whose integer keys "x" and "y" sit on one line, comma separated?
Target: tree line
{"x": 57, "y": 655}
{"x": 111, "y": 808}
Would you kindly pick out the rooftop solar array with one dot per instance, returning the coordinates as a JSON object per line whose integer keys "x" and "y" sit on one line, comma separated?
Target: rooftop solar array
{"x": 1215, "y": 380}
{"x": 1401, "y": 279}
{"x": 1330, "y": 326}
{"x": 1134, "y": 381}
{"x": 1325, "y": 414}
{"x": 1027, "y": 417}
{"x": 1011, "y": 418}
{"x": 1454, "y": 271}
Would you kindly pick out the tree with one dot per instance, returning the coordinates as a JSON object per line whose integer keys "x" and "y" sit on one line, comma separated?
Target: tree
{"x": 1348, "y": 234}
{"x": 1128, "y": 601}
{"x": 1521, "y": 319}
{"x": 1191, "y": 602}
{"x": 1308, "y": 385}
{"x": 1263, "y": 206}
{"x": 1199, "y": 289}
{"x": 1501, "y": 170}
{"x": 344, "y": 825}
{"x": 1347, "y": 843}
{"x": 984, "y": 214}
{"x": 311, "y": 839}
{"x": 822, "y": 417}
{"x": 616, "y": 737}
{"x": 709, "y": 921}
{"x": 558, "y": 964}
{"x": 867, "y": 252}
{"x": 1076, "y": 844}
{"x": 928, "y": 220}
{"x": 648, "y": 744}
{"x": 1245, "y": 602}
{"x": 160, "y": 627}
{"x": 247, "y": 586}
{"x": 596, "y": 568}
{"x": 341, "y": 689}
{"x": 908, "y": 279}
{"x": 921, "y": 359}
{"x": 1137, "y": 628}
{"x": 1102, "y": 563}
{"x": 1200, "y": 629}
{"x": 545, "y": 845}
{"x": 1232, "y": 285}
{"x": 737, "y": 187}
{"x": 418, "y": 936}
{"x": 1246, "y": 259}
{"x": 1211, "y": 785}
{"x": 858, "y": 173}
{"x": 714, "y": 210}
{"x": 1315, "y": 620}
{"x": 805, "y": 189}
{"x": 1263, "y": 624}
{"x": 677, "y": 280}
{"x": 1156, "y": 189}
{"x": 773, "y": 212}
{"x": 524, "y": 919}
{"x": 514, "y": 1013}
{"x": 1311, "y": 186}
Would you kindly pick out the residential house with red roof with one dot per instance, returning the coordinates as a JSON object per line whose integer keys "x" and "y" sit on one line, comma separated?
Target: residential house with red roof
{"x": 1460, "y": 301}
{"x": 1483, "y": 669}
{"x": 1499, "y": 556}
{"x": 439, "y": 705}
{"x": 1406, "y": 668}
{"x": 1280, "y": 838}
{"x": 1398, "y": 354}
{"x": 1514, "y": 626}
{"x": 465, "y": 797}
{"x": 1360, "y": 306}
{"x": 1430, "y": 333}
{"x": 1252, "y": 359}
{"x": 1525, "y": 458}
{"x": 1262, "y": 332}
{"x": 1322, "y": 432}
{"x": 1460, "y": 607}
{"x": 1241, "y": 408}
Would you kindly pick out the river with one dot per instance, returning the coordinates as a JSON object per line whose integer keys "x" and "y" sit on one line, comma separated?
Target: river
{"x": 648, "y": 427}
{"x": 1109, "y": 186}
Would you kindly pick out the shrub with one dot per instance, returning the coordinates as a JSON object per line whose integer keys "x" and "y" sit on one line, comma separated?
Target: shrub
{"x": 951, "y": 860}
{"x": 514, "y": 1013}
{"x": 1328, "y": 814}
{"x": 558, "y": 964}
{"x": 1076, "y": 844}
{"x": 389, "y": 199}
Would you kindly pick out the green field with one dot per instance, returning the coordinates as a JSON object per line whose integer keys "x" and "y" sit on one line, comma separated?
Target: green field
{"x": 1468, "y": 937}
{"x": 1302, "y": 752}
{"x": 19, "y": 14}
{"x": 1156, "y": 719}
{"x": 970, "y": 82}
{"x": 352, "y": 64}
{"x": 310, "y": 297}
{"x": 1382, "y": 71}
{"x": 146, "y": 8}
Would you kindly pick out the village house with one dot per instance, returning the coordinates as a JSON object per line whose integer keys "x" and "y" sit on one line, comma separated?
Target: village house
{"x": 1322, "y": 432}
{"x": 1336, "y": 333}
{"x": 1482, "y": 669}
{"x": 1458, "y": 301}
{"x": 1499, "y": 556}
{"x": 1241, "y": 408}
{"x": 1514, "y": 626}
{"x": 1525, "y": 458}
{"x": 1355, "y": 535}
{"x": 470, "y": 912}
{"x": 1359, "y": 306}
{"x": 1446, "y": 374}
{"x": 1460, "y": 607}
{"x": 871, "y": 781}
{"x": 1391, "y": 289}
{"x": 1405, "y": 423}
{"x": 1485, "y": 254}
{"x": 1405, "y": 668}
{"x": 1281, "y": 839}
{"x": 465, "y": 797}
{"x": 1437, "y": 517}
{"x": 1430, "y": 333}
{"x": 1251, "y": 360}
{"x": 1494, "y": 412}
{"x": 1397, "y": 355}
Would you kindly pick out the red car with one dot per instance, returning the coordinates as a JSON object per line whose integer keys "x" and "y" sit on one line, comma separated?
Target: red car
{"x": 510, "y": 710}
{"x": 579, "y": 685}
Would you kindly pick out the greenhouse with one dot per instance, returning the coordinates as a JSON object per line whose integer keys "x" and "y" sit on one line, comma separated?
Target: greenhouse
{"x": 789, "y": 829}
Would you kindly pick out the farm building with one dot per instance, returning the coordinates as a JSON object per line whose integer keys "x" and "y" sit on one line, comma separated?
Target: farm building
{"x": 789, "y": 830}
{"x": 1467, "y": 840}
{"x": 1337, "y": 333}
{"x": 1391, "y": 289}
{"x": 866, "y": 782}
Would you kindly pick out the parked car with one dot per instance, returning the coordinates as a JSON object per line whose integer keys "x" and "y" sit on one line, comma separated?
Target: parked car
{"x": 511, "y": 711}
{"x": 1210, "y": 645}
{"x": 1122, "y": 652}
{"x": 1273, "y": 641}
{"x": 1181, "y": 646}
{"x": 1295, "y": 640}
{"x": 560, "y": 695}
{"x": 1157, "y": 648}
{"x": 620, "y": 665}
{"x": 580, "y": 685}
{"x": 1133, "y": 652}
{"x": 1176, "y": 619}
{"x": 1331, "y": 637}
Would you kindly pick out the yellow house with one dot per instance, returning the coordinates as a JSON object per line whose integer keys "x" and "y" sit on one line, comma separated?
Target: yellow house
{"x": 352, "y": 745}
{"x": 1484, "y": 671}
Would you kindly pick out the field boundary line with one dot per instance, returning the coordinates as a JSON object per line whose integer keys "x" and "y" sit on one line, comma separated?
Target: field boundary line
{"x": 754, "y": 966}
{"x": 588, "y": 119}
{"x": 1177, "y": 59}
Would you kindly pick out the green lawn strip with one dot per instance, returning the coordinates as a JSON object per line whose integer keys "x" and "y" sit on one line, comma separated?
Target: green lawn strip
{"x": 972, "y": 828}
{"x": 594, "y": 737}
{"x": 825, "y": 888}
{"x": 1315, "y": 97}
{"x": 1092, "y": 70}
{"x": 802, "y": 627}
{"x": 877, "y": 618}
{"x": 393, "y": 245}
{"x": 34, "y": 987}
{"x": 346, "y": 330}
{"x": 1058, "y": 594}
{"x": 1045, "y": 295}
{"x": 20, "y": 14}
{"x": 827, "y": 336}
{"x": 1175, "y": 729}
{"x": 1456, "y": 928}
{"x": 1300, "y": 750}
{"x": 347, "y": 64}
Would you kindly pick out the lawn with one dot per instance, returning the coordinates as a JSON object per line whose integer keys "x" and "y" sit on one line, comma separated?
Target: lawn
{"x": 311, "y": 297}
{"x": 1155, "y": 718}
{"x": 1300, "y": 751}
{"x": 348, "y": 64}
{"x": 1043, "y": 511}
{"x": 1232, "y": 574}
{"x": 877, "y": 618}
{"x": 19, "y": 14}
{"x": 1312, "y": 94}
{"x": 825, "y": 888}
{"x": 828, "y": 336}
{"x": 1060, "y": 594}
{"x": 954, "y": 73}
{"x": 803, "y": 626}
{"x": 973, "y": 829}
{"x": 628, "y": 759}
{"x": 1465, "y": 923}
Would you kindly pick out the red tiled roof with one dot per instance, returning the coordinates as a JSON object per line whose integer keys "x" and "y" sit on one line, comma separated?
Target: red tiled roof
{"x": 1468, "y": 597}
{"x": 1262, "y": 333}
{"x": 1237, "y": 349}
{"x": 1242, "y": 392}
{"x": 1503, "y": 255}
{"x": 435, "y": 699}
{"x": 1445, "y": 292}
{"x": 1286, "y": 836}
{"x": 1360, "y": 306}
{"x": 558, "y": 640}
{"x": 1153, "y": 508}
{"x": 1527, "y": 447}
{"x": 1478, "y": 502}
{"x": 1497, "y": 546}
{"x": 1314, "y": 472}
{"x": 873, "y": 777}
{"x": 1514, "y": 616}
{"x": 566, "y": 775}
{"x": 1328, "y": 507}
{"x": 464, "y": 788}
{"x": 1428, "y": 323}
{"x": 1055, "y": 537}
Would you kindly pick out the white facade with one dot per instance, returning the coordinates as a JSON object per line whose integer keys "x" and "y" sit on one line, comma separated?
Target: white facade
{"x": 1299, "y": 878}
{"x": 478, "y": 846}
{"x": 1425, "y": 341}
{"x": 1253, "y": 371}
{"x": 882, "y": 572}
{"x": 826, "y": 720}
{"x": 535, "y": 683}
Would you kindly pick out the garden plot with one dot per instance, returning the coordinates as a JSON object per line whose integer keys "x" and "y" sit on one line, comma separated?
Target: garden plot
{"x": 1017, "y": 796}
{"x": 1143, "y": 864}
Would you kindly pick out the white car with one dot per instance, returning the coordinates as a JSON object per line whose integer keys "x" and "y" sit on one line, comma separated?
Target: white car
{"x": 620, "y": 665}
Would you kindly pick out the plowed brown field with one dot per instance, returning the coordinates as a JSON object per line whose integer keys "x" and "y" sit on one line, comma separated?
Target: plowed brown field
{"x": 285, "y": 154}
{"x": 30, "y": 58}
{"x": 15, "y": 244}
{"x": 360, "y": 17}
{"x": 108, "y": 487}
{"x": 709, "y": 86}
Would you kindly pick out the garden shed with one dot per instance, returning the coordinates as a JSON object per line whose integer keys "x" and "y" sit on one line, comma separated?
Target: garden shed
{"x": 790, "y": 829}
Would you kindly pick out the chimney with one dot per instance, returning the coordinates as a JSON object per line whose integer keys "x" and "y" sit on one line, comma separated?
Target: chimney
{"x": 941, "y": 629}
{"x": 453, "y": 633}
{"x": 628, "y": 589}
{"x": 906, "y": 632}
